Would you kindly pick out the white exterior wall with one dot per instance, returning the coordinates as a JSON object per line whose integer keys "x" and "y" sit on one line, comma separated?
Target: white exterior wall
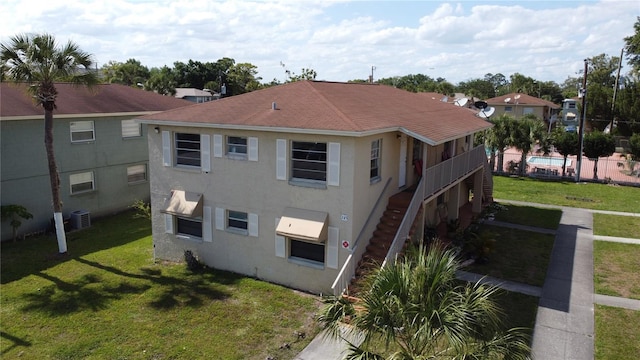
{"x": 252, "y": 187}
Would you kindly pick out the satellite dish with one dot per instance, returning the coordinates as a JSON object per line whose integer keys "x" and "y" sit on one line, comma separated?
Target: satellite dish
{"x": 517, "y": 97}
{"x": 444, "y": 99}
{"x": 507, "y": 100}
{"x": 480, "y": 104}
{"x": 461, "y": 102}
{"x": 487, "y": 112}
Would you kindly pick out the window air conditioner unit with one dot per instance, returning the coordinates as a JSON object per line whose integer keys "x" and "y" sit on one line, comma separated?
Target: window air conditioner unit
{"x": 80, "y": 219}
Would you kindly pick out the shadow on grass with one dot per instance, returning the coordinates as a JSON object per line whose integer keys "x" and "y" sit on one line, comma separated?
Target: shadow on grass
{"x": 16, "y": 341}
{"x": 94, "y": 292}
{"x": 33, "y": 255}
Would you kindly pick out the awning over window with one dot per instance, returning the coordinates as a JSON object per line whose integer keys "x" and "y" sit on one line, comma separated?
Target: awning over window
{"x": 303, "y": 224}
{"x": 184, "y": 203}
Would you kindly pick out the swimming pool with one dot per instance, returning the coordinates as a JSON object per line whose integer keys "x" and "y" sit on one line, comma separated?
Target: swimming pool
{"x": 548, "y": 161}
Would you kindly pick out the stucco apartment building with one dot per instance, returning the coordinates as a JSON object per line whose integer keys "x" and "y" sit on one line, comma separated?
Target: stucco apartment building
{"x": 288, "y": 183}
{"x": 518, "y": 105}
{"x": 100, "y": 150}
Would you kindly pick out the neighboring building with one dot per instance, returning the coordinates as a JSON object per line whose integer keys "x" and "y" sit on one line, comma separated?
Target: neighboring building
{"x": 288, "y": 183}
{"x": 570, "y": 114}
{"x": 195, "y": 95}
{"x": 101, "y": 152}
{"x": 518, "y": 104}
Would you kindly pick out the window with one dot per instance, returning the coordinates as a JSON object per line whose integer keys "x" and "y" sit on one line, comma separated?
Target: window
{"x": 508, "y": 108}
{"x": 375, "y": 160}
{"x": 82, "y": 131}
{"x": 189, "y": 227}
{"x": 309, "y": 161}
{"x": 572, "y": 105}
{"x": 527, "y": 110}
{"x": 82, "y": 182}
{"x": 237, "y": 220}
{"x": 131, "y": 129}
{"x": 136, "y": 174}
{"x": 237, "y": 146}
{"x": 307, "y": 251}
{"x": 188, "y": 149}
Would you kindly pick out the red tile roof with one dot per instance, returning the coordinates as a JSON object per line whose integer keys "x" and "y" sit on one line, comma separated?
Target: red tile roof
{"x": 102, "y": 99}
{"x": 331, "y": 107}
{"x": 523, "y": 100}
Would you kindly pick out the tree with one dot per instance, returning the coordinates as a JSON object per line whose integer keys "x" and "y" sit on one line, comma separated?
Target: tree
{"x": 596, "y": 145}
{"x": 479, "y": 88}
{"x": 632, "y": 46}
{"x": 499, "y": 137}
{"x": 419, "y": 310}
{"x": 130, "y": 73}
{"x": 566, "y": 143}
{"x": 161, "y": 81}
{"x": 14, "y": 213}
{"x": 305, "y": 74}
{"x": 40, "y": 62}
{"x": 243, "y": 78}
{"x": 527, "y": 131}
{"x": 632, "y": 157}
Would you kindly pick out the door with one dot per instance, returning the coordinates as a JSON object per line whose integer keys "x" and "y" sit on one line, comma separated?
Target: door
{"x": 402, "y": 162}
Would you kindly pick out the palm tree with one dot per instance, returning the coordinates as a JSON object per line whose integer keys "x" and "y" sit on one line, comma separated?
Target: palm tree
{"x": 416, "y": 309}
{"x": 38, "y": 61}
{"x": 527, "y": 131}
{"x": 499, "y": 137}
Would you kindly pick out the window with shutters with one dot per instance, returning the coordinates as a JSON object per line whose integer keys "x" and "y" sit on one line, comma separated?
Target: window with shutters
{"x": 374, "y": 175}
{"x": 309, "y": 161}
{"x": 82, "y": 131}
{"x": 136, "y": 174}
{"x": 187, "y": 149}
{"x": 189, "y": 227}
{"x": 130, "y": 128}
{"x": 237, "y": 147}
{"x": 238, "y": 221}
{"x": 306, "y": 251}
{"x": 82, "y": 182}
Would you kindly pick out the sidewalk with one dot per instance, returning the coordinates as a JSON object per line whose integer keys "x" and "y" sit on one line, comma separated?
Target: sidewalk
{"x": 565, "y": 326}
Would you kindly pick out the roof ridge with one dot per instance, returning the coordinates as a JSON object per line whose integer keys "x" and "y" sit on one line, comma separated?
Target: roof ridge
{"x": 324, "y": 99}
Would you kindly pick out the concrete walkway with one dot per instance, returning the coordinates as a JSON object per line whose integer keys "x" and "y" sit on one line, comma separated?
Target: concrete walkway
{"x": 565, "y": 326}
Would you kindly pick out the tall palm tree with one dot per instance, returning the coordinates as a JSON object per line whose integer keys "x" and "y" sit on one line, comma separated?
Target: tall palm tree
{"x": 499, "y": 137}
{"x": 416, "y": 309}
{"x": 528, "y": 131}
{"x": 37, "y": 60}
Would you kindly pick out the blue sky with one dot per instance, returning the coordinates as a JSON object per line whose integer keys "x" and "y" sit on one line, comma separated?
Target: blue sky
{"x": 340, "y": 40}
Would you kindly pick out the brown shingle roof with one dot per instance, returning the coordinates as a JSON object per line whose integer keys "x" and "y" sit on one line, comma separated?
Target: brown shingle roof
{"x": 102, "y": 99}
{"x": 523, "y": 100}
{"x": 328, "y": 107}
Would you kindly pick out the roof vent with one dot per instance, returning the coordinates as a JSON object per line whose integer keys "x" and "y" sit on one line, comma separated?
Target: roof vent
{"x": 274, "y": 106}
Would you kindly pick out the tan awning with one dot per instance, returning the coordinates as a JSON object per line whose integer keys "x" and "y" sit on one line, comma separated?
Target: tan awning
{"x": 184, "y": 203}
{"x": 303, "y": 224}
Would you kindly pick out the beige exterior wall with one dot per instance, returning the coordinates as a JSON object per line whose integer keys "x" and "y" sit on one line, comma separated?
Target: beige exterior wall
{"x": 252, "y": 187}
{"x": 517, "y": 111}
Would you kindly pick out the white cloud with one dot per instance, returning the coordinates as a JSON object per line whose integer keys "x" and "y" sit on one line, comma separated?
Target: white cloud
{"x": 340, "y": 40}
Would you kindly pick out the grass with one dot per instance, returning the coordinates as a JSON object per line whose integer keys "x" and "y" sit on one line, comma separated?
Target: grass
{"x": 530, "y": 216}
{"x": 614, "y": 225}
{"x": 521, "y": 256}
{"x": 107, "y": 299}
{"x": 615, "y": 338}
{"x": 616, "y": 269}
{"x": 563, "y": 193}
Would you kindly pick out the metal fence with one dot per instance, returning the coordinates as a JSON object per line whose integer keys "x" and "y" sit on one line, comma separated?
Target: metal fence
{"x": 613, "y": 169}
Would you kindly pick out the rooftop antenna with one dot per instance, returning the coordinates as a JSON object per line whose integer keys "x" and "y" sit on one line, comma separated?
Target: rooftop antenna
{"x": 507, "y": 100}
{"x": 485, "y": 110}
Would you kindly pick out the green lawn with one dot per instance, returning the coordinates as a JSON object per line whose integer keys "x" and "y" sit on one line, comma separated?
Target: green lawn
{"x": 107, "y": 299}
{"x": 521, "y": 256}
{"x": 615, "y": 338}
{"x": 616, "y": 269}
{"x": 614, "y": 225}
{"x": 530, "y": 216}
{"x": 563, "y": 193}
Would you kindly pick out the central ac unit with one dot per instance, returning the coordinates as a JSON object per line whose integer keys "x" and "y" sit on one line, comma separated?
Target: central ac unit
{"x": 80, "y": 219}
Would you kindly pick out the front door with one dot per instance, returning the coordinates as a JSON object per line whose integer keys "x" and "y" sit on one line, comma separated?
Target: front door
{"x": 402, "y": 162}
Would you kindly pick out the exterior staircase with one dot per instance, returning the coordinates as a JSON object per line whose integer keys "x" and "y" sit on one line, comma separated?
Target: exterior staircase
{"x": 383, "y": 236}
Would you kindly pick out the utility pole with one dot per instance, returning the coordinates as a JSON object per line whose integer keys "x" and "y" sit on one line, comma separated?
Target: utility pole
{"x": 371, "y": 76}
{"x": 615, "y": 91}
{"x": 583, "y": 92}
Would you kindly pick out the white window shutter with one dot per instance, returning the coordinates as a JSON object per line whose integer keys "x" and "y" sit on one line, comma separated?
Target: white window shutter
{"x": 220, "y": 218}
{"x": 332, "y": 247}
{"x": 281, "y": 159}
{"x": 217, "y": 145}
{"x": 205, "y": 152}
{"x": 253, "y": 225}
{"x": 168, "y": 223}
{"x": 333, "y": 176}
{"x": 253, "y": 149}
{"x": 280, "y": 243}
{"x": 207, "y": 230}
{"x": 166, "y": 148}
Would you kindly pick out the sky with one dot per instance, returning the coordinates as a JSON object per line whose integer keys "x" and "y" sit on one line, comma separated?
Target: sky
{"x": 340, "y": 40}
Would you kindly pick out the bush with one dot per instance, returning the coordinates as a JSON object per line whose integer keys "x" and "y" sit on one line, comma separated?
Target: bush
{"x": 193, "y": 264}
{"x": 143, "y": 209}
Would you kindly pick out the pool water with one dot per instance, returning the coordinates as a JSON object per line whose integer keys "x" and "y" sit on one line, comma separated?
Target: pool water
{"x": 548, "y": 161}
